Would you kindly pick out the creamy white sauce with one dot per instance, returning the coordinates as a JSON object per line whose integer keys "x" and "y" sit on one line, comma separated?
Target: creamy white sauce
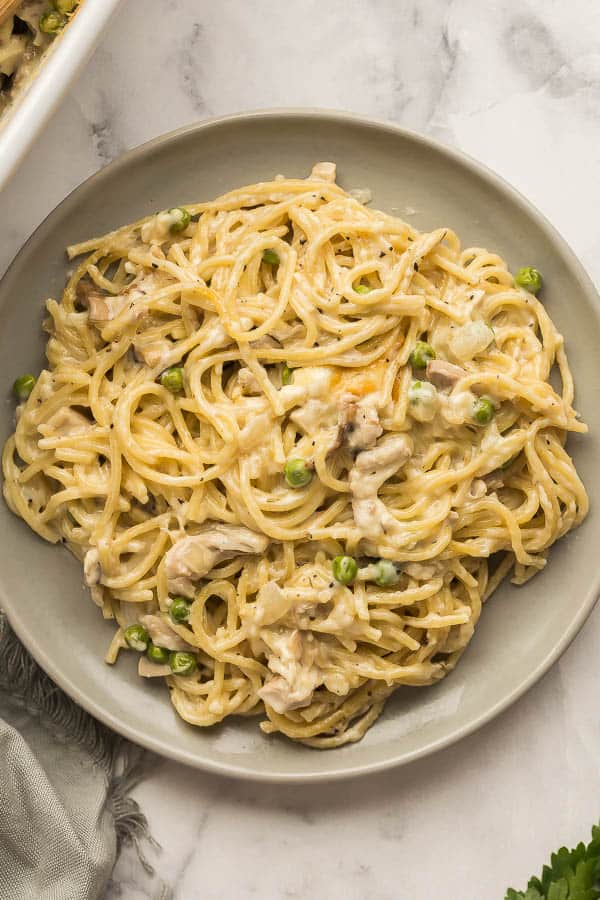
{"x": 158, "y": 228}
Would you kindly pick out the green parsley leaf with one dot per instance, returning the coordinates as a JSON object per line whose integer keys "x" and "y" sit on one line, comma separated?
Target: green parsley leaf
{"x": 572, "y": 875}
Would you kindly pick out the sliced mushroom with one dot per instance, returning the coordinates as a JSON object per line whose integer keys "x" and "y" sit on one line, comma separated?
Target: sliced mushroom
{"x": 101, "y": 307}
{"x": 266, "y": 343}
{"x": 84, "y": 287}
{"x": 149, "y": 669}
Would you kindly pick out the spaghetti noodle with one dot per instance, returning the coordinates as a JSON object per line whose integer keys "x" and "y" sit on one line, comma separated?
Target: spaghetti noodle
{"x": 295, "y": 444}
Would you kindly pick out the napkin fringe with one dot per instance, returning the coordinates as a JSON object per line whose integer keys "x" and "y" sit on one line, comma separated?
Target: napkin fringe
{"x": 29, "y": 688}
{"x": 131, "y": 825}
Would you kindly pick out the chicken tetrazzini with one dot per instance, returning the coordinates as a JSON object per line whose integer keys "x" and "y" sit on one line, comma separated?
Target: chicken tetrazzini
{"x": 295, "y": 444}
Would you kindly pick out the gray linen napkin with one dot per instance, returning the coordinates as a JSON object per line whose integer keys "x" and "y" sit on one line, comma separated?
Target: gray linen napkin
{"x": 64, "y": 785}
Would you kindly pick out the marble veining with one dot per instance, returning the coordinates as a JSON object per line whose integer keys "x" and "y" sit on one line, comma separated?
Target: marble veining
{"x": 515, "y": 83}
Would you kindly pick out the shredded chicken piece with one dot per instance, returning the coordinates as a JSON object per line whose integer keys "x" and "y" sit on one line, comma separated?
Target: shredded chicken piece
{"x": 370, "y": 470}
{"x": 153, "y": 353}
{"x": 360, "y": 426}
{"x": 420, "y": 571}
{"x": 273, "y": 603}
{"x": 444, "y": 374}
{"x": 385, "y": 458}
{"x": 248, "y": 383}
{"x": 91, "y": 567}
{"x": 284, "y": 332}
{"x": 292, "y": 659}
{"x": 192, "y": 557}
{"x": 104, "y": 308}
{"x": 65, "y": 421}
{"x": 163, "y": 635}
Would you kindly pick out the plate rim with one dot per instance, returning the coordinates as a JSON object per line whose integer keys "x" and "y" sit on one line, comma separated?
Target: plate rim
{"x": 331, "y": 772}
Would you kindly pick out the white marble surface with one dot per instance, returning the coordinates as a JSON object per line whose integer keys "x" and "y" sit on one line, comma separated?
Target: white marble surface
{"x": 517, "y": 84}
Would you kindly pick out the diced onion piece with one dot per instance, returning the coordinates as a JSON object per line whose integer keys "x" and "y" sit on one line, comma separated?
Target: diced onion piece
{"x": 471, "y": 339}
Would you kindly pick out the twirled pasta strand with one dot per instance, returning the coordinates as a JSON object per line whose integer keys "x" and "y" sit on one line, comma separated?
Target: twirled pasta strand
{"x": 136, "y": 468}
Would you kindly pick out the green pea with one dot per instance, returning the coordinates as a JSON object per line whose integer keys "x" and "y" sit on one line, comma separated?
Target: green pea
{"x": 345, "y": 569}
{"x": 530, "y": 279}
{"x": 182, "y": 219}
{"x": 158, "y": 655}
{"x": 137, "y": 638}
{"x": 179, "y": 609}
{"x": 269, "y": 256}
{"x": 182, "y": 663}
{"x": 297, "y": 473}
{"x": 65, "y": 6}
{"x": 421, "y": 355}
{"x": 387, "y": 573}
{"x": 420, "y": 390}
{"x": 23, "y": 386}
{"x": 52, "y": 22}
{"x": 362, "y": 288}
{"x": 172, "y": 379}
{"x": 483, "y": 411}
{"x": 287, "y": 376}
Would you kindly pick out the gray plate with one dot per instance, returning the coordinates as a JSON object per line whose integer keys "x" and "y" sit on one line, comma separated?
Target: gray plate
{"x": 522, "y": 630}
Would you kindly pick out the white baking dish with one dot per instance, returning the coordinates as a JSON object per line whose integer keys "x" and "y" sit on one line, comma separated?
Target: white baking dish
{"x": 22, "y": 122}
